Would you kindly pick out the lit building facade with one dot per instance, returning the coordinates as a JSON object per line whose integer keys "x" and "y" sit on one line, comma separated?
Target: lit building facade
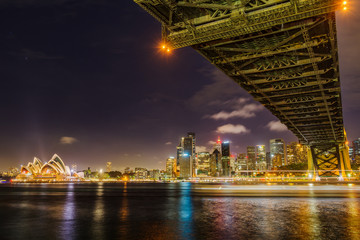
{"x": 225, "y": 159}
{"x": 277, "y": 147}
{"x": 260, "y": 157}
{"x": 215, "y": 163}
{"x": 203, "y": 164}
{"x": 186, "y": 166}
{"x": 250, "y": 152}
{"x": 242, "y": 162}
{"x": 141, "y": 173}
{"x": 54, "y": 169}
{"x": 296, "y": 153}
{"x": 171, "y": 167}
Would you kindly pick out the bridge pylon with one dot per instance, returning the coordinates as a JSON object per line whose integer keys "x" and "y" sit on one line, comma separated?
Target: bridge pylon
{"x": 331, "y": 160}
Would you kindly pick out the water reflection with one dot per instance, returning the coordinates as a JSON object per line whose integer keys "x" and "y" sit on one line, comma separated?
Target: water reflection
{"x": 68, "y": 217}
{"x": 353, "y": 220}
{"x": 185, "y": 211}
{"x": 180, "y": 211}
{"x": 98, "y": 213}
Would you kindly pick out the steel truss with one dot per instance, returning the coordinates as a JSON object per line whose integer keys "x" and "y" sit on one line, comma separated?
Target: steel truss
{"x": 283, "y": 52}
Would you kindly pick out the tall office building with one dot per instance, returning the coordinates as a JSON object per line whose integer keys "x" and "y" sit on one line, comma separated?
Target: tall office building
{"x": 351, "y": 153}
{"x": 260, "y": 157}
{"x": 268, "y": 160}
{"x": 203, "y": 164}
{"x": 187, "y": 144}
{"x": 217, "y": 145}
{"x": 187, "y": 147}
{"x": 296, "y": 153}
{"x": 356, "y": 148}
{"x": 242, "y": 162}
{"x": 250, "y": 152}
{"x": 225, "y": 159}
{"x": 171, "y": 167}
{"x": 215, "y": 163}
{"x": 277, "y": 147}
{"x": 193, "y": 141}
{"x": 186, "y": 166}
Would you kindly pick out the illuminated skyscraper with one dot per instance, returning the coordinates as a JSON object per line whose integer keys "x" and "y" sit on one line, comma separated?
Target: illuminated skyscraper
{"x": 260, "y": 157}
{"x": 277, "y": 147}
{"x": 225, "y": 159}
{"x": 193, "y": 141}
{"x": 242, "y": 162}
{"x": 296, "y": 153}
{"x": 215, "y": 163}
{"x": 186, "y": 166}
{"x": 356, "y": 148}
{"x": 250, "y": 151}
{"x": 217, "y": 145}
{"x": 171, "y": 167}
{"x": 203, "y": 164}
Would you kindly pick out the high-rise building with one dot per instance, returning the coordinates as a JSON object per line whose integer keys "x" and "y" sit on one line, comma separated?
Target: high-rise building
{"x": 250, "y": 151}
{"x": 215, "y": 163}
{"x": 203, "y": 164}
{"x": 140, "y": 173}
{"x": 268, "y": 160}
{"x": 187, "y": 145}
{"x": 108, "y": 166}
{"x": 351, "y": 153}
{"x": 186, "y": 166}
{"x": 192, "y": 136}
{"x": 277, "y": 146}
{"x": 242, "y": 162}
{"x": 296, "y": 153}
{"x": 260, "y": 157}
{"x": 232, "y": 164}
{"x": 225, "y": 159}
{"x": 171, "y": 167}
{"x": 356, "y": 148}
{"x": 154, "y": 174}
{"x": 217, "y": 145}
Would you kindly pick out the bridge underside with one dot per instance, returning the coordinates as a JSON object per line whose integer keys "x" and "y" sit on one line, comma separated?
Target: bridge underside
{"x": 283, "y": 52}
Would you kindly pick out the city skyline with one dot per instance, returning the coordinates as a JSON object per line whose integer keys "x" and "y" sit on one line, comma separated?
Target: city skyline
{"x": 98, "y": 108}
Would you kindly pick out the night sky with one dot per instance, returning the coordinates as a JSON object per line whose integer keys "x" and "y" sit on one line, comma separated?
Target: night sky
{"x": 85, "y": 80}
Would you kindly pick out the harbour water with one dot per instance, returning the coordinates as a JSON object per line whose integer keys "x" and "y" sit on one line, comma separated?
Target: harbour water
{"x": 179, "y": 211}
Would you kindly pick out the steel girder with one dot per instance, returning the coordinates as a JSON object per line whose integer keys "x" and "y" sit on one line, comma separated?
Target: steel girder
{"x": 283, "y": 52}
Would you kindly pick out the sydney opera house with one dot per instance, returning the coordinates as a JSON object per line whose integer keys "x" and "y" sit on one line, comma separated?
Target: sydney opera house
{"x": 54, "y": 169}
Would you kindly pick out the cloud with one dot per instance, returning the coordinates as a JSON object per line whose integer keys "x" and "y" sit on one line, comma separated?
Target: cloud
{"x": 125, "y": 155}
{"x": 168, "y": 143}
{"x": 211, "y": 142}
{"x": 201, "y": 149}
{"x": 231, "y": 102}
{"x": 138, "y": 155}
{"x": 276, "y": 126}
{"x": 68, "y": 140}
{"x": 245, "y": 111}
{"x": 233, "y": 129}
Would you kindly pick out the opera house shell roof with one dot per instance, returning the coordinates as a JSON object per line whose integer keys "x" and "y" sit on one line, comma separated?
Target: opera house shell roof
{"x": 54, "y": 168}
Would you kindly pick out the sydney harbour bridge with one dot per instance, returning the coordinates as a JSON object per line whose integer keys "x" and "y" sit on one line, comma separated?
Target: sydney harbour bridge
{"x": 283, "y": 52}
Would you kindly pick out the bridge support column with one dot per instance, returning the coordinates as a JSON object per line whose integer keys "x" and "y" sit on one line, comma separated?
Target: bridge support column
{"x": 329, "y": 161}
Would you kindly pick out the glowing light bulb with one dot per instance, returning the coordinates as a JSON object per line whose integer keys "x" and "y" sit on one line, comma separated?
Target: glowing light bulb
{"x": 163, "y": 46}
{"x": 168, "y": 50}
{"x": 344, "y": 2}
